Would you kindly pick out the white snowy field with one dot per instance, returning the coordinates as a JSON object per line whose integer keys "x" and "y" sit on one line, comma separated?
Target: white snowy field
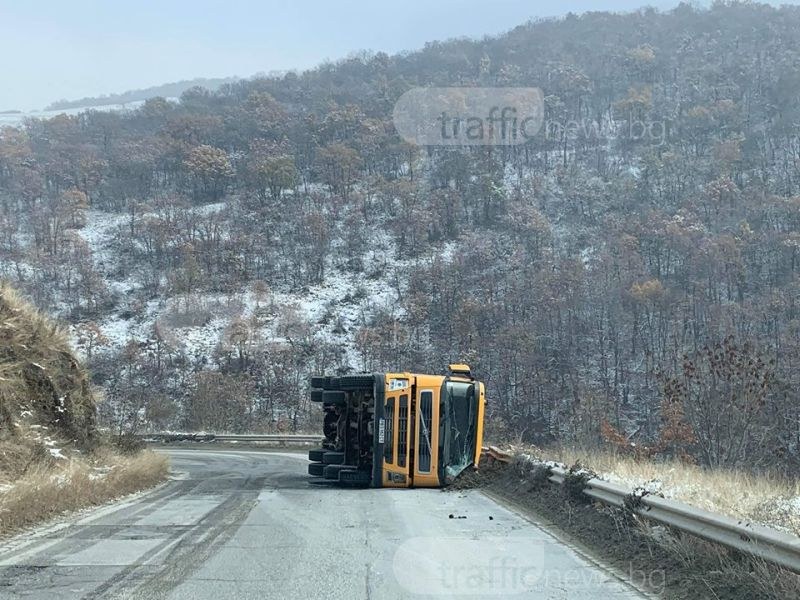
{"x": 12, "y": 118}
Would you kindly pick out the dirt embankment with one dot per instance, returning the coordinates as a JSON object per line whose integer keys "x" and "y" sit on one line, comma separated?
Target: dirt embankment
{"x": 665, "y": 562}
{"x": 52, "y": 458}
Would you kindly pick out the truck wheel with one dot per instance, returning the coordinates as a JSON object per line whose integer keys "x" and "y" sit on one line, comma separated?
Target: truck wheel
{"x": 315, "y": 395}
{"x": 357, "y": 383}
{"x": 333, "y": 458}
{"x": 325, "y": 382}
{"x": 316, "y": 469}
{"x": 317, "y": 454}
{"x": 334, "y": 397}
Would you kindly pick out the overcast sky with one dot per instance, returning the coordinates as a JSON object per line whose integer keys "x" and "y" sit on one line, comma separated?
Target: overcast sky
{"x": 53, "y": 49}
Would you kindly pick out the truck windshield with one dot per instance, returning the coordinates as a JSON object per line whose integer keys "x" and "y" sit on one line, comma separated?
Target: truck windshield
{"x": 460, "y": 414}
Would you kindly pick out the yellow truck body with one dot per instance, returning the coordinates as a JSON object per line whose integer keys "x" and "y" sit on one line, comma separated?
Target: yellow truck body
{"x": 399, "y": 429}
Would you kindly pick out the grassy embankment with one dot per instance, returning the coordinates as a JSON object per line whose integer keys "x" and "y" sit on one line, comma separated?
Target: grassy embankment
{"x": 765, "y": 498}
{"x": 52, "y": 458}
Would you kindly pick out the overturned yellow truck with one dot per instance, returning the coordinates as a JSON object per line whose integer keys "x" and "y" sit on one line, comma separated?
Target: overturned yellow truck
{"x": 398, "y": 429}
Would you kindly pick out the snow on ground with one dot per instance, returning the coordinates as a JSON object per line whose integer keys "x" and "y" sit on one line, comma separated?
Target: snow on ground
{"x": 17, "y": 118}
{"x": 100, "y": 226}
{"x": 207, "y": 209}
{"x": 119, "y": 330}
{"x": 336, "y": 308}
{"x": 17, "y": 270}
{"x": 344, "y": 301}
{"x": 56, "y": 453}
{"x": 202, "y": 340}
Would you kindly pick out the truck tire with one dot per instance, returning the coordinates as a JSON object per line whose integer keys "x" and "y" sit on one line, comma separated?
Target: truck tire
{"x": 335, "y": 397}
{"x": 316, "y": 469}
{"x": 315, "y": 395}
{"x": 333, "y": 458}
{"x": 317, "y": 454}
{"x": 332, "y": 471}
{"x": 357, "y": 383}
{"x": 325, "y": 382}
{"x": 319, "y": 381}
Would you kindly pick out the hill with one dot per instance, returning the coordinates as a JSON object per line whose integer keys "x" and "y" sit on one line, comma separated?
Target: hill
{"x": 167, "y": 90}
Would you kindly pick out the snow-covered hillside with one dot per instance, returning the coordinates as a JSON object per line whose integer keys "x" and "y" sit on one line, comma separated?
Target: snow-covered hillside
{"x": 335, "y": 308}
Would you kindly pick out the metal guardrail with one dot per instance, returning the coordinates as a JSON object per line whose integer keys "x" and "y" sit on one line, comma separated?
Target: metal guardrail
{"x": 772, "y": 546}
{"x": 278, "y": 438}
{"x": 493, "y": 453}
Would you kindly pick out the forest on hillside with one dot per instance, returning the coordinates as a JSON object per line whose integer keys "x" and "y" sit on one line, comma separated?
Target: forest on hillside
{"x": 630, "y": 278}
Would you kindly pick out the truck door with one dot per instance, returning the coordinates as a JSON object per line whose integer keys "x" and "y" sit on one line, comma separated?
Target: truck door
{"x": 397, "y": 433}
{"x": 426, "y": 431}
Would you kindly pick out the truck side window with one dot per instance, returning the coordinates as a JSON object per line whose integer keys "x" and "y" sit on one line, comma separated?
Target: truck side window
{"x": 402, "y": 431}
{"x": 426, "y": 421}
{"x": 388, "y": 446}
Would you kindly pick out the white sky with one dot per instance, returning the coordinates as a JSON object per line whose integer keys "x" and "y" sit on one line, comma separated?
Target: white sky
{"x": 53, "y": 49}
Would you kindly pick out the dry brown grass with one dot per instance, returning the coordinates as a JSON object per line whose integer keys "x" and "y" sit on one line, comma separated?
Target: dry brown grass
{"x": 41, "y": 381}
{"x": 48, "y": 489}
{"x": 52, "y": 459}
{"x": 766, "y": 498}
{"x": 731, "y": 570}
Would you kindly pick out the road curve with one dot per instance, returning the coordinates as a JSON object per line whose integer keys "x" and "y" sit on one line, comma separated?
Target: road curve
{"x": 239, "y": 524}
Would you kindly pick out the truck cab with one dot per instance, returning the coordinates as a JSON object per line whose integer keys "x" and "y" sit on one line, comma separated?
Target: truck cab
{"x": 398, "y": 429}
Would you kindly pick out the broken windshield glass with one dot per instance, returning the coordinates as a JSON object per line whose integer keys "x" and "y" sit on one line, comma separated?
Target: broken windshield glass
{"x": 460, "y": 407}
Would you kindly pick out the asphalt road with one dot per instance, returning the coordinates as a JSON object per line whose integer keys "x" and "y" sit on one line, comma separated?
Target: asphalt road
{"x": 238, "y": 524}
